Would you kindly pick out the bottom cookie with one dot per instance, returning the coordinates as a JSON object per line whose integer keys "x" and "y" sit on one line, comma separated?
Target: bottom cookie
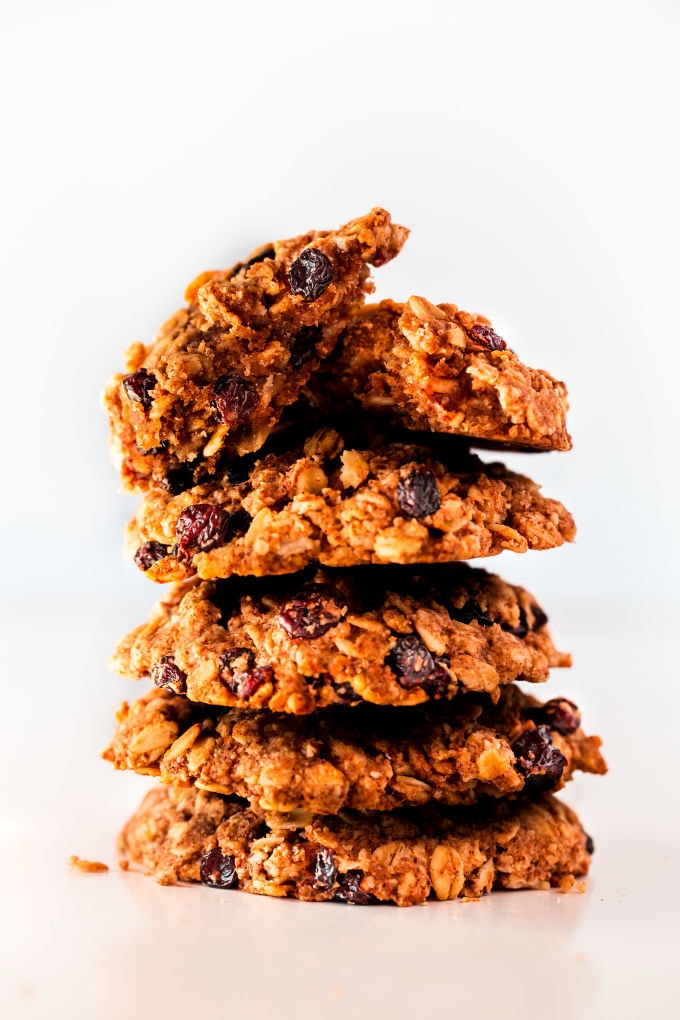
{"x": 402, "y": 857}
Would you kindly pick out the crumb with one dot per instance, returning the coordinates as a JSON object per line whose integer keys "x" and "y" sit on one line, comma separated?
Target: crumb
{"x": 567, "y": 883}
{"x": 85, "y": 865}
{"x": 124, "y": 865}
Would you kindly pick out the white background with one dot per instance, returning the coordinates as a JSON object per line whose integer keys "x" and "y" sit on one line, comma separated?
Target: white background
{"x": 532, "y": 148}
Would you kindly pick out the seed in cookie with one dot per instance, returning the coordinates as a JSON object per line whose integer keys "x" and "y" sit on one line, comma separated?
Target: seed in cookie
{"x": 235, "y": 400}
{"x": 313, "y": 611}
{"x": 561, "y": 715}
{"x": 487, "y": 337}
{"x": 325, "y": 869}
{"x": 218, "y": 870}
{"x": 150, "y": 553}
{"x": 138, "y": 386}
{"x": 167, "y": 674}
{"x": 200, "y": 527}
{"x": 418, "y": 494}
{"x": 350, "y": 890}
{"x": 311, "y": 274}
{"x": 538, "y": 761}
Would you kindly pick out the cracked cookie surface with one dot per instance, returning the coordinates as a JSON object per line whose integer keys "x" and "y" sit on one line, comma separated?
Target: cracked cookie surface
{"x": 367, "y": 759}
{"x": 217, "y": 377}
{"x": 342, "y": 505}
{"x": 437, "y": 368}
{"x": 395, "y": 636}
{"x": 402, "y": 857}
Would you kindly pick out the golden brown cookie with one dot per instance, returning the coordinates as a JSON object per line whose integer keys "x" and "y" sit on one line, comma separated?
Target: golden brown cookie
{"x": 440, "y": 369}
{"x": 394, "y": 636}
{"x": 367, "y": 759}
{"x": 402, "y": 857}
{"x": 218, "y": 375}
{"x": 343, "y": 505}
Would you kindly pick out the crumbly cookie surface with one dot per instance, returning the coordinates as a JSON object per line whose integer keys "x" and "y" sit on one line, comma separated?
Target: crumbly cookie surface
{"x": 218, "y": 375}
{"x": 367, "y": 759}
{"x": 440, "y": 369}
{"x": 402, "y": 857}
{"x": 395, "y": 636}
{"x": 343, "y": 505}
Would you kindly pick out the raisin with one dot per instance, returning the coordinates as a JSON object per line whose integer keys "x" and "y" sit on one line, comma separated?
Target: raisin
{"x": 150, "y": 553}
{"x": 235, "y": 400}
{"x": 218, "y": 870}
{"x": 540, "y": 618}
{"x": 350, "y": 890}
{"x": 346, "y": 694}
{"x": 412, "y": 661}
{"x": 260, "y": 255}
{"x": 313, "y": 611}
{"x": 167, "y": 674}
{"x": 560, "y": 714}
{"x": 418, "y": 494}
{"x": 537, "y": 760}
{"x": 303, "y": 348}
{"x": 311, "y": 274}
{"x": 239, "y": 522}
{"x": 521, "y": 630}
{"x": 590, "y": 844}
{"x": 325, "y": 870}
{"x": 471, "y": 611}
{"x": 200, "y": 527}
{"x": 487, "y": 337}
{"x": 240, "y": 674}
{"x": 138, "y": 387}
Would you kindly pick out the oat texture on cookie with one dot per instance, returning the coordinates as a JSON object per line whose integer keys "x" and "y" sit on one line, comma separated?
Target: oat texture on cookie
{"x": 333, "y": 709}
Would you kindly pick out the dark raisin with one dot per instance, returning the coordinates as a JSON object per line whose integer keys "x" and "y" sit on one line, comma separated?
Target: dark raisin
{"x": 540, "y": 618}
{"x": 200, "y": 527}
{"x": 311, "y": 274}
{"x": 218, "y": 870}
{"x": 235, "y": 400}
{"x": 267, "y": 252}
{"x": 240, "y": 674}
{"x": 313, "y": 611}
{"x": 537, "y": 760}
{"x": 346, "y": 694}
{"x": 418, "y": 494}
{"x": 471, "y": 611}
{"x": 439, "y": 680}
{"x": 590, "y": 844}
{"x": 325, "y": 869}
{"x": 412, "y": 661}
{"x": 150, "y": 553}
{"x": 239, "y": 522}
{"x": 350, "y": 890}
{"x": 303, "y": 348}
{"x": 486, "y": 336}
{"x": 560, "y": 714}
{"x": 138, "y": 387}
{"x": 167, "y": 674}
{"x": 521, "y": 630}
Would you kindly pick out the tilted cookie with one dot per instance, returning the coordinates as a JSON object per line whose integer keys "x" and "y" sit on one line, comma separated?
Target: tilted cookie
{"x": 344, "y": 505}
{"x": 402, "y": 857}
{"x": 219, "y": 374}
{"x": 438, "y": 368}
{"x": 395, "y": 636}
{"x": 367, "y": 759}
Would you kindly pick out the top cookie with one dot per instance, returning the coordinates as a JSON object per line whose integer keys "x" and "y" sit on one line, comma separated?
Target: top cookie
{"x": 219, "y": 374}
{"x": 438, "y": 368}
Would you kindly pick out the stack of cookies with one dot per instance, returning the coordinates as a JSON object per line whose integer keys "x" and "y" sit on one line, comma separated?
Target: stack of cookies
{"x": 334, "y": 713}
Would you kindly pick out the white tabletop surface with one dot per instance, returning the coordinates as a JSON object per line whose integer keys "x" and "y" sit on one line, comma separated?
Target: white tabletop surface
{"x": 117, "y": 945}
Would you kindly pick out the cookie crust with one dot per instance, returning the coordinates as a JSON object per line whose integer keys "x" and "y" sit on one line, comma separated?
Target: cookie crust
{"x": 480, "y": 633}
{"x": 397, "y": 857}
{"x": 441, "y": 369}
{"x": 220, "y": 372}
{"x": 345, "y": 505}
{"x": 366, "y": 759}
